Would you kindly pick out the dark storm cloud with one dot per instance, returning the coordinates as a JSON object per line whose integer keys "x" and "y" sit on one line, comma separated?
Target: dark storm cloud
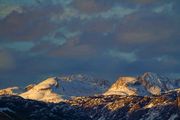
{"x": 96, "y": 6}
{"x": 176, "y": 9}
{"x": 106, "y": 38}
{"x": 6, "y": 61}
{"x": 153, "y": 37}
{"x": 72, "y": 49}
{"x": 43, "y": 47}
{"x": 144, "y": 2}
{"x": 30, "y": 24}
{"x": 91, "y": 6}
{"x": 165, "y": 67}
{"x": 99, "y": 25}
{"x": 95, "y": 38}
{"x": 88, "y": 43}
{"x": 140, "y": 30}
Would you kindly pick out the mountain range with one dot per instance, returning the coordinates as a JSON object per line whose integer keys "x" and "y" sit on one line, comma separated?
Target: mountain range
{"x": 81, "y": 97}
{"x": 56, "y": 89}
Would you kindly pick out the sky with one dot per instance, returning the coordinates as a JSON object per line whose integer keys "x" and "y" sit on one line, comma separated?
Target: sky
{"x": 103, "y": 38}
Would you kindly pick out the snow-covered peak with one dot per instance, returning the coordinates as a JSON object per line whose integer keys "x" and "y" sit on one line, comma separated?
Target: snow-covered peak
{"x": 155, "y": 83}
{"x": 84, "y": 78}
{"x": 76, "y": 77}
{"x": 154, "y": 79}
{"x": 80, "y": 85}
{"x": 146, "y": 84}
{"x": 10, "y": 91}
{"x": 54, "y": 89}
{"x": 43, "y": 91}
{"x": 47, "y": 84}
{"x": 126, "y": 86}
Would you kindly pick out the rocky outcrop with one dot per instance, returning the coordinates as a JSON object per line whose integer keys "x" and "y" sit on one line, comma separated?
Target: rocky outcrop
{"x": 115, "y": 107}
{"x": 17, "y": 108}
{"x": 155, "y": 84}
{"x": 108, "y": 107}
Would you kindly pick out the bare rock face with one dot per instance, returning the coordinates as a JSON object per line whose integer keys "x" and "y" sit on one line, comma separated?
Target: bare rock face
{"x": 147, "y": 84}
{"x": 117, "y": 107}
{"x": 17, "y": 108}
{"x": 154, "y": 83}
{"x": 108, "y": 107}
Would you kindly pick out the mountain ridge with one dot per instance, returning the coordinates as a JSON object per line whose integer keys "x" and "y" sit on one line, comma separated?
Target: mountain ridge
{"x": 56, "y": 89}
{"x": 129, "y": 98}
{"x": 100, "y": 107}
{"x": 146, "y": 84}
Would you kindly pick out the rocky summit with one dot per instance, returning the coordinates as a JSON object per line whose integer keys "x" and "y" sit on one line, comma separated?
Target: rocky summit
{"x": 144, "y": 85}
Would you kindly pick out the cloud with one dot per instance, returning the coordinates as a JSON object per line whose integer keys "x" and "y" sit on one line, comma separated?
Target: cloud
{"x": 176, "y": 8}
{"x": 97, "y": 6}
{"x": 31, "y": 24}
{"x": 21, "y": 46}
{"x": 99, "y": 25}
{"x": 142, "y": 1}
{"x": 154, "y": 38}
{"x": 170, "y": 49}
{"x": 72, "y": 49}
{"x": 108, "y": 38}
{"x": 90, "y": 6}
{"x": 6, "y": 61}
{"x": 143, "y": 29}
{"x": 7, "y": 9}
{"x": 42, "y": 47}
{"x": 128, "y": 57}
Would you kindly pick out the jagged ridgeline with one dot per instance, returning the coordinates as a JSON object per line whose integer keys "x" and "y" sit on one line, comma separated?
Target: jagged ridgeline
{"x": 111, "y": 107}
{"x": 56, "y": 89}
{"x": 82, "y": 97}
